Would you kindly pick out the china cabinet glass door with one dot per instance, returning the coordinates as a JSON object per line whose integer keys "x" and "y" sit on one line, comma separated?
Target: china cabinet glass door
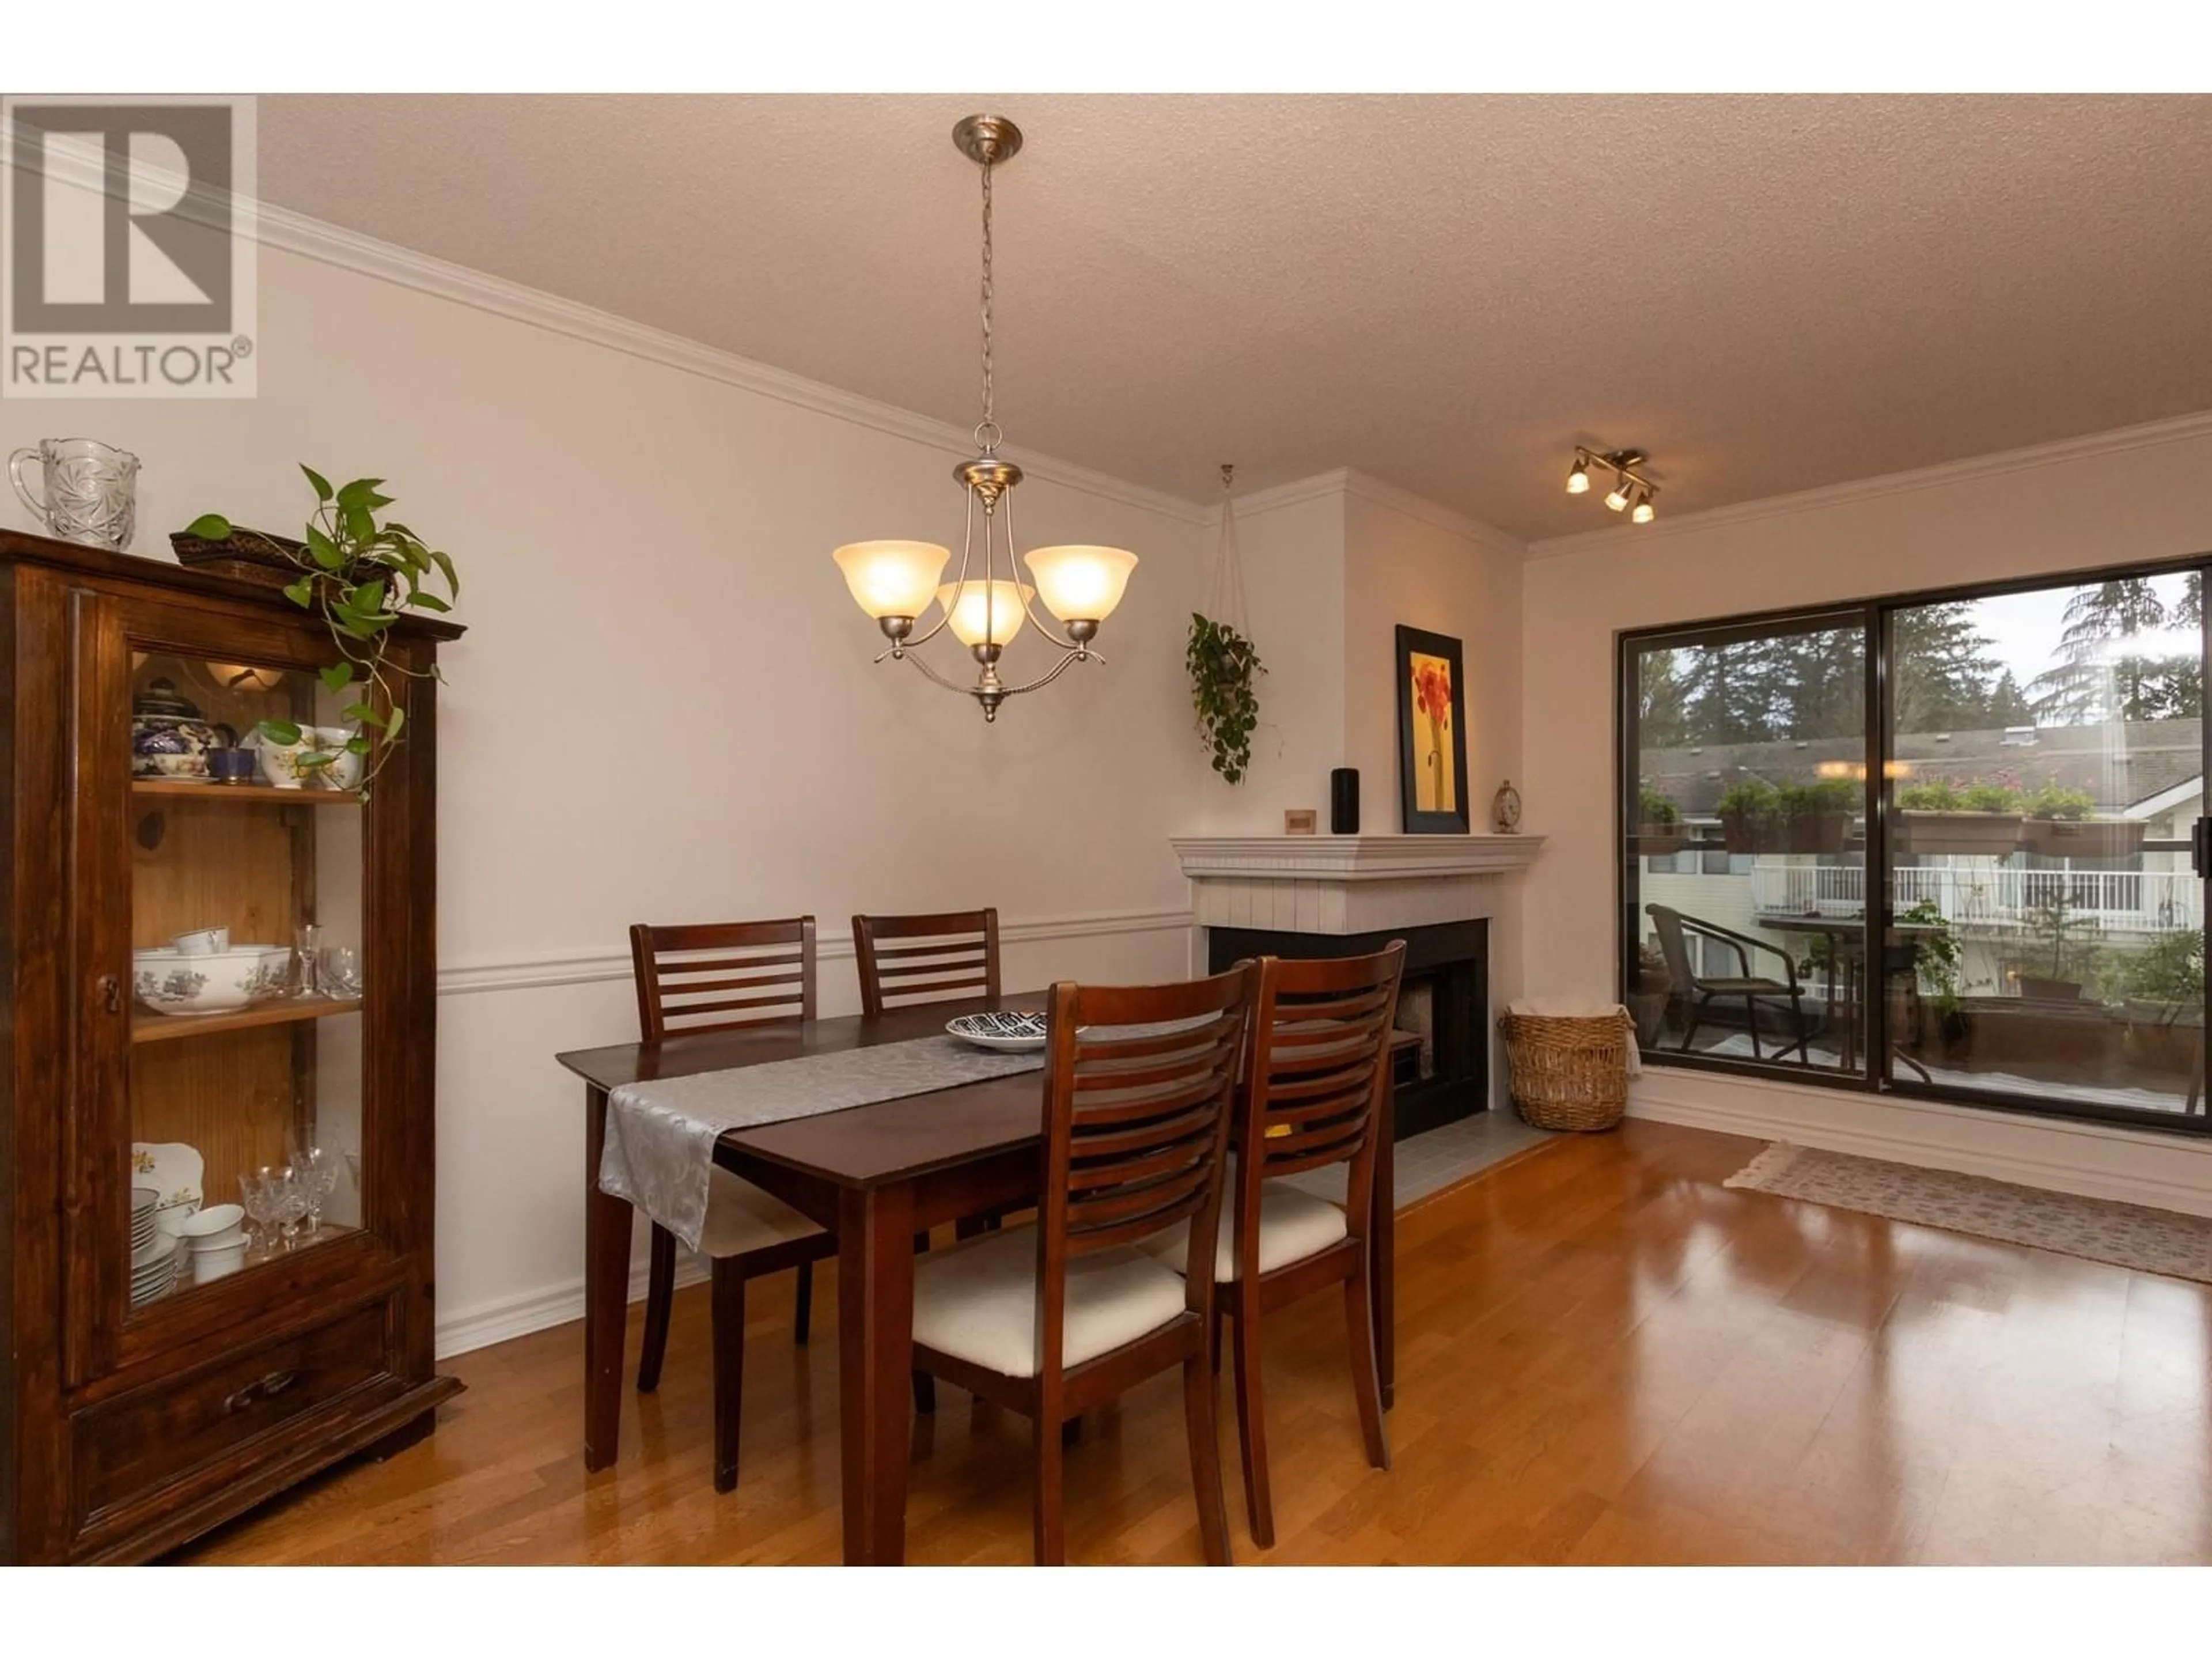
{"x": 229, "y": 1026}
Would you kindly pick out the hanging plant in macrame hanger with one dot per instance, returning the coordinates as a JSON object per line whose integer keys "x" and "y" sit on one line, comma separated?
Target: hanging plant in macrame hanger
{"x": 1221, "y": 657}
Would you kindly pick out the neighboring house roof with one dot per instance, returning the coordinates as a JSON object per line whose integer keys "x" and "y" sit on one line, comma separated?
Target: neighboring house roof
{"x": 2128, "y": 769}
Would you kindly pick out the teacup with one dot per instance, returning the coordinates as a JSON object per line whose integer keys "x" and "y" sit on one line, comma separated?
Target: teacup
{"x": 202, "y": 942}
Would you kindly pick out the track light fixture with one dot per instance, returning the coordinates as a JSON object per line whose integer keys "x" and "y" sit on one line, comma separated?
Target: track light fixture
{"x": 1632, "y": 491}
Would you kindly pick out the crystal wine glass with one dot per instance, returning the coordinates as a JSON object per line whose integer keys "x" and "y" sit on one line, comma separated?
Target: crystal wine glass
{"x": 253, "y": 1191}
{"x": 290, "y": 1205}
{"x": 308, "y": 952}
{"x": 316, "y": 1167}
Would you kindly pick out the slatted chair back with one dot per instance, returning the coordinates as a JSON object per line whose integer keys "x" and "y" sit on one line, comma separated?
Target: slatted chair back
{"x": 1320, "y": 1056}
{"x": 713, "y": 976}
{"x": 1674, "y": 947}
{"x": 1137, "y": 1125}
{"x": 926, "y": 958}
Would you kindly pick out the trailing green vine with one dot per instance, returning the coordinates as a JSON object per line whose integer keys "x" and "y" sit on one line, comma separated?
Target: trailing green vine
{"x": 1222, "y": 664}
{"x": 350, "y": 572}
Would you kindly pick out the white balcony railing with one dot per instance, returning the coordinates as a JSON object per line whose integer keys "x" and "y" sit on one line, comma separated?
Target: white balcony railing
{"x": 2122, "y": 901}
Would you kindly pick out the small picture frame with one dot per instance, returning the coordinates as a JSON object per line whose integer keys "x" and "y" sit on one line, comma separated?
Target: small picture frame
{"x": 1431, "y": 733}
{"x": 1301, "y": 821}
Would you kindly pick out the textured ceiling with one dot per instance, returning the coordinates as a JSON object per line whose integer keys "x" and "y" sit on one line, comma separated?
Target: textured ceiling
{"x": 1767, "y": 294}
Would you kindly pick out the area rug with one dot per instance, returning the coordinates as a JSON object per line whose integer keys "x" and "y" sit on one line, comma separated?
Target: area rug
{"x": 2099, "y": 1229}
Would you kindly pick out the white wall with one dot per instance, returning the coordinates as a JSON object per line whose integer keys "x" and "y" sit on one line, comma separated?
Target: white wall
{"x": 664, "y": 709}
{"x": 2136, "y": 495}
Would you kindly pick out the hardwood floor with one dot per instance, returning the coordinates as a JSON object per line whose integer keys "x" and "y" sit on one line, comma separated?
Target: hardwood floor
{"x": 1604, "y": 1357}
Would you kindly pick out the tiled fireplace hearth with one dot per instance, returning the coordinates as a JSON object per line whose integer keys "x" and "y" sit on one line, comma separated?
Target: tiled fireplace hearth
{"x": 1295, "y": 896}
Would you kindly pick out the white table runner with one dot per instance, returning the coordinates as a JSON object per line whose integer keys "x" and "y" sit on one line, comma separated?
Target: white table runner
{"x": 660, "y": 1138}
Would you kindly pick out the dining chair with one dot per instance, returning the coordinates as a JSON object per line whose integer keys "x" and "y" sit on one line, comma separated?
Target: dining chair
{"x": 716, "y": 977}
{"x": 1056, "y": 1316}
{"x": 1697, "y": 990}
{"x": 939, "y": 956}
{"x": 1316, "y": 1064}
{"x": 925, "y": 958}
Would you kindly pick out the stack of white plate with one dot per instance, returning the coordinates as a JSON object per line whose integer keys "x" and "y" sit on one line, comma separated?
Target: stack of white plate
{"x": 154, "y": 1268}
{"x": 143, "y": 1200}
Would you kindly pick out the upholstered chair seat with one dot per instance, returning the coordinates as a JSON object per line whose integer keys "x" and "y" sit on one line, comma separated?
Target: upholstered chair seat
{"x": 978, "y": 1301}
{"x": 1293, "y": 1225}
{"x": 742, "y": 1217}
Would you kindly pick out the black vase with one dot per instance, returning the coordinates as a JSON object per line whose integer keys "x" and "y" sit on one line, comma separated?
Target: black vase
{"x": 1344, "y": 801}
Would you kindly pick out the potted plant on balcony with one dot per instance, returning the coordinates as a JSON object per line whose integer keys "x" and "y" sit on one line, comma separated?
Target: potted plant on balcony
{"x": 1942, "y": 819}
{"x": 1750, "y": 817}
{"x": 1816, "y": 817}
{"x": 1658, "y": 823}
{"x": 2161, "y": 987}
{"x": 2061, "y": 824}
{"x": 2067, "y": 955}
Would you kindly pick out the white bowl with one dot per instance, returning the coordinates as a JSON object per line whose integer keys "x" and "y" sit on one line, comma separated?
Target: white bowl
{"x": 171, "y": 982}
{"x": 216, "y": 1219}
{"x": 217, "y": 1243}
{"x": 211, "y": 1265}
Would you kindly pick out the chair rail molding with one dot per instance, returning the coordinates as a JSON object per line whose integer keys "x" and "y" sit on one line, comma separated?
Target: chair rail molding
{"x": 590, "y": 966}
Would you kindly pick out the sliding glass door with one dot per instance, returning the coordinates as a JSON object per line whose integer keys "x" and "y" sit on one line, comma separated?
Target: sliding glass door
{"x": 2047, "y": 762}
{"x": 2022, "y": 771}
{"x": 1744, "y": 879}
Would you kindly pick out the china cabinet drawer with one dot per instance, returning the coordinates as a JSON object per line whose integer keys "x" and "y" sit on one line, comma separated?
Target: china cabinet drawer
{"x": 165, "y": 1431}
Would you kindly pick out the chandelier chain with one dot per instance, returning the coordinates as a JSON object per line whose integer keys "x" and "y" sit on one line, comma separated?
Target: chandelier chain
{"x": 988, "y": 433}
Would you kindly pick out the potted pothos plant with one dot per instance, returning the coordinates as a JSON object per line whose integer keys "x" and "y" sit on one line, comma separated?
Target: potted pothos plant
{"x": 2061, "y": 823}
{"x": 1223, "y": 664}
{"x": 361, "y": 575}
{"x": 1659, "y": 829}
{"x": 1979, "y": 818}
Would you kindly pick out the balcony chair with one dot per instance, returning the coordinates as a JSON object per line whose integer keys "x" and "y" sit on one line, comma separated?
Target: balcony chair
{"x": 1697, "y": 990}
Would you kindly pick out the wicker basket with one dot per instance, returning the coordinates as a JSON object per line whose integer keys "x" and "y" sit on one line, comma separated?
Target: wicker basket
{"x": 1569, "y": 1072}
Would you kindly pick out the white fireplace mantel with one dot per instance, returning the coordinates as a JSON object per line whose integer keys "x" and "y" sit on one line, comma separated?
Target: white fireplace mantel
{"x": 1347, "y": 883}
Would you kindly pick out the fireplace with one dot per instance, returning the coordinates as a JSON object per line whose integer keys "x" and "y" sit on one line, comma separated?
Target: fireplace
{"x": 1445, "y": 1000}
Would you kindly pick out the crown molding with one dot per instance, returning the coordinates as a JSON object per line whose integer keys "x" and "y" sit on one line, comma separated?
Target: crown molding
{"x": 2180, "y": 429}
{"x": 1296, "y": 493}
{"x": 1350, "y": 481}
{"x": 1379, "y": 493}
{"x": 296, "y": 233}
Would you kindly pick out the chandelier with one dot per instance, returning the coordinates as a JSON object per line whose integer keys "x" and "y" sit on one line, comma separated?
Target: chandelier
{"x": 896, "y": 581}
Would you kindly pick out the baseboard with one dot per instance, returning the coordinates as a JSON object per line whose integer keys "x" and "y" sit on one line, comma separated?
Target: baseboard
{"x": 2093, "y": 1160}
{"x": 511, "y": 1316}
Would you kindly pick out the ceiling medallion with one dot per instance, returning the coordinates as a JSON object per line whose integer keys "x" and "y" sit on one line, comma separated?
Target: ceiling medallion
{"x": 896, "y": 581}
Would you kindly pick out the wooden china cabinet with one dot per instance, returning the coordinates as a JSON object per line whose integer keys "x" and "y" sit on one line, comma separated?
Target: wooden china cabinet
{"x": 151, "y": 1387}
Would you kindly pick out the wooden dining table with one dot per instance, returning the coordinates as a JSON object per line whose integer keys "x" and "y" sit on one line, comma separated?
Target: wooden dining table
{"x": 875, "y": 1175}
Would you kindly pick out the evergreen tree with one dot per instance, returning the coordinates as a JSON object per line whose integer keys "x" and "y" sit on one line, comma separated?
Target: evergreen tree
{"x": 1947, "y": 680}
{"x": 2093, "y": 683}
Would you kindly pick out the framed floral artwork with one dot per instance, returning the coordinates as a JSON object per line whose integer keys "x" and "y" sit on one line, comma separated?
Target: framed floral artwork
{"x": 1431, "y": 733}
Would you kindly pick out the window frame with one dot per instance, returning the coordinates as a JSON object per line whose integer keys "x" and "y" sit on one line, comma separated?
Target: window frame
{"x": 1874, "y": 615}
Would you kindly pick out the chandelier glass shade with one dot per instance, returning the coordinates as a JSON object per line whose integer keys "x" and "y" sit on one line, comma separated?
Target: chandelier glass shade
{"x": 987, "y": 604}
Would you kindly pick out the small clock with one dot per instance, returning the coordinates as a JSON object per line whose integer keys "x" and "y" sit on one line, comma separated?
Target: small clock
{"x": 1505, "y": 808}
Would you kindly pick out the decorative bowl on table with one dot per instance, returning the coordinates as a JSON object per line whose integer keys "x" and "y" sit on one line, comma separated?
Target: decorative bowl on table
{"x": 1021, "y": 1031}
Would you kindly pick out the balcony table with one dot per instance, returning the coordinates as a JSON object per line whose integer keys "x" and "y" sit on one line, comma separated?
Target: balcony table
{"x": 1846, "y": 937}
{"x": 876, "y": 1175}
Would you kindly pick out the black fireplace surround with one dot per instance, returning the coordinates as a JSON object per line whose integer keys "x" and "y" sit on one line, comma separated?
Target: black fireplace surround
{"x": 1452, "y": 959}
